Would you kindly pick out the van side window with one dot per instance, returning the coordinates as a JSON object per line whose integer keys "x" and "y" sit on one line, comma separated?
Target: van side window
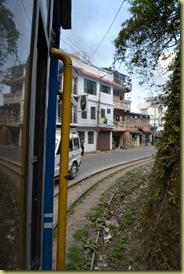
{"x": 58, "y": 151}
{"x": 70, "y": 146}
{"x": 76, "y": 143}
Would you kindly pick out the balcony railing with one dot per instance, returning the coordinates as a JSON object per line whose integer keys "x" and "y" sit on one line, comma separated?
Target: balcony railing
{"x": 122, "y": 104}
{"x": 12, "y": 98}
{"x": 119, "y": 126}
{"x": 13, "y": 121}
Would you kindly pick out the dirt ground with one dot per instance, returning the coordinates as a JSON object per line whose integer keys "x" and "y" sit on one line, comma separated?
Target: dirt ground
{"x": 9, "y": 219}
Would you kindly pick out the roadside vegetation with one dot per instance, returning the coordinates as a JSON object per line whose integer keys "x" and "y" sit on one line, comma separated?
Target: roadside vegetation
{"x": 142, "y": 44}
{"x": 114, "y": 229}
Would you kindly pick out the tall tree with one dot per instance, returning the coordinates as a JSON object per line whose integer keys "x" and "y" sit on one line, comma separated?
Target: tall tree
{"x": 8, "y": 36}
{"x": 152, "y": 29}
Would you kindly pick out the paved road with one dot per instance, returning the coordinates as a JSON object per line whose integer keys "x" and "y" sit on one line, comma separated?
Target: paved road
{"x": 91, "y": 162}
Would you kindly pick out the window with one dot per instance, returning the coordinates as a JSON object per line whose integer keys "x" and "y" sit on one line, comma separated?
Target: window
{"x": 143, "y": 121}
{"x": 70, "y": 146}
{"x": 159, "y": 121}
{"x": 105, "y": 89}
{"x": 90, "y": 137}
{"x": 108, "y": 111}
{"x": 84, "y": 114}
{"x": 132, "y": 120}
{"x": 123, "y": 118}
{"x": 102, "y": 113}
{"x": 93, "y": 116}
{"x": 116, "y": 93}
{"x": 144, "y": 111}
{"x": 76, "y": 143}
{"x": 89, "y": 87}
{"x": 81, "y": 135}
{"x": 117, "y": 118}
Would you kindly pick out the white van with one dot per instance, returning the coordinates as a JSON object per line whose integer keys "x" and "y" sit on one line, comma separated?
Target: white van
{"x": 74, "y": 153}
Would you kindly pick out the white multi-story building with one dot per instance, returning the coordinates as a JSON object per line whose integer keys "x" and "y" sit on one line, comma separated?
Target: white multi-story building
{"x": 96, "y": 95}
{"x": 95, "y": 122}
{"x": 154, "y": 107}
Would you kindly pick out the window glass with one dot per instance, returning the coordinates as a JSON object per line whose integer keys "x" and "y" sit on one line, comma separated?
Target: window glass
{"x": 102, "y": 113}
{"x": 81, "y": 135}
{"x": 93, "y": 116}
{"x": 132, "y": 120}
{"x": 76, "y": 143}
{"x": 105, "y": 89}
{"x": 58, "y": 151}
{"x": 143, "y": 121}
{"x": 89, "y": 87}
{"x": 90, "y": 137}
{"x": 123, "y": 118}
{"x": 84, "y": 114}
{"x": 117, "y": 118}
{"x": 70, "y": 146}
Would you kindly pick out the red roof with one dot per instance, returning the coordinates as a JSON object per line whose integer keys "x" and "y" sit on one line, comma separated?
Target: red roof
{"x": 100, "y": 78}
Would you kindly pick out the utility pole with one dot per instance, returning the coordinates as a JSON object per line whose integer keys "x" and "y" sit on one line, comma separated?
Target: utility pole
{"x": 98, "y": 107}
{"x": 154, "y": 132}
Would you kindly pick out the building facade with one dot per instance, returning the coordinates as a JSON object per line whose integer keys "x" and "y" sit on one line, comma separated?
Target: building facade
{"x": 94, "y": 122}
{"x": 155, "y": 108}
{"x": 99, "y": 111}
{"x": 11, "y": 111}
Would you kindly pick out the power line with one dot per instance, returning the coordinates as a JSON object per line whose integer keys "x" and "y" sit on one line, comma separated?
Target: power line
{"x": 107, "y": 30}
{"x": 25, "y": 11}
{"x": 86, "y": 55}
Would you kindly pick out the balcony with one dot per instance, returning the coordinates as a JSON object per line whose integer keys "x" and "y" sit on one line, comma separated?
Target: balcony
{"x": 122, "y": 104}
{"x": 11, "y": 121}
{"x": 119, "y": 126}
{"x": 12, "y": 98}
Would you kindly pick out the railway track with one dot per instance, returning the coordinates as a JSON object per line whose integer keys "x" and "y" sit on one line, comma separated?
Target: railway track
{"x": 79, "y": 189}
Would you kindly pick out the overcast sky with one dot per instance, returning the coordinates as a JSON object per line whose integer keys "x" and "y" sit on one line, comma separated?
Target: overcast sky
{"x": 90, "y": 22}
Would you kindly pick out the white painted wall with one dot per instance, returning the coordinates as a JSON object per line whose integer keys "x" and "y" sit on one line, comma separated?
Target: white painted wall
{"x": 100, "y": 100}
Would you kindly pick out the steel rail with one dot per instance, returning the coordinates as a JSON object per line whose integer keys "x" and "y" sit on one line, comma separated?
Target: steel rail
{"x": 106, "y": 209}
{"x": 87, "y": 189}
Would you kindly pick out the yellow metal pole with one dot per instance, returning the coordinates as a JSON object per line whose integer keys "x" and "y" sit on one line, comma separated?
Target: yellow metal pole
{"x": 63, "y": 179}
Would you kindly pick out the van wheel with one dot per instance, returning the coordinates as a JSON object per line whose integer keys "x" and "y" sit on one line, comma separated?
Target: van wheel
{"x": 73, "y": 171}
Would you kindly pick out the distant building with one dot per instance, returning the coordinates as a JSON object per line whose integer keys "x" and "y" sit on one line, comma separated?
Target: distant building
{"x": 154, "y": 107}
{"x": 11, "y": 112}
{"x": 132, "y": 130}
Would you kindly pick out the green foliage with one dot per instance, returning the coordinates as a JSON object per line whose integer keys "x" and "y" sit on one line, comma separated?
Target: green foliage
{"x": 142, "y": 40}
{"x": 152, "y": 30}
{"x": 169, "y": 147}
{"x": 117, "y": 252}
{"x": 81, "y": 233}
{"x": 75, "y": 256}
{"x": 163, "y": 230}
{"x": 8, "y": 33}
{"x": 80, "y": 255}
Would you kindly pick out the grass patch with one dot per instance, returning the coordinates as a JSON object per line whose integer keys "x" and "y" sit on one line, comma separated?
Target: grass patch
{"x": 120, "y": 221}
